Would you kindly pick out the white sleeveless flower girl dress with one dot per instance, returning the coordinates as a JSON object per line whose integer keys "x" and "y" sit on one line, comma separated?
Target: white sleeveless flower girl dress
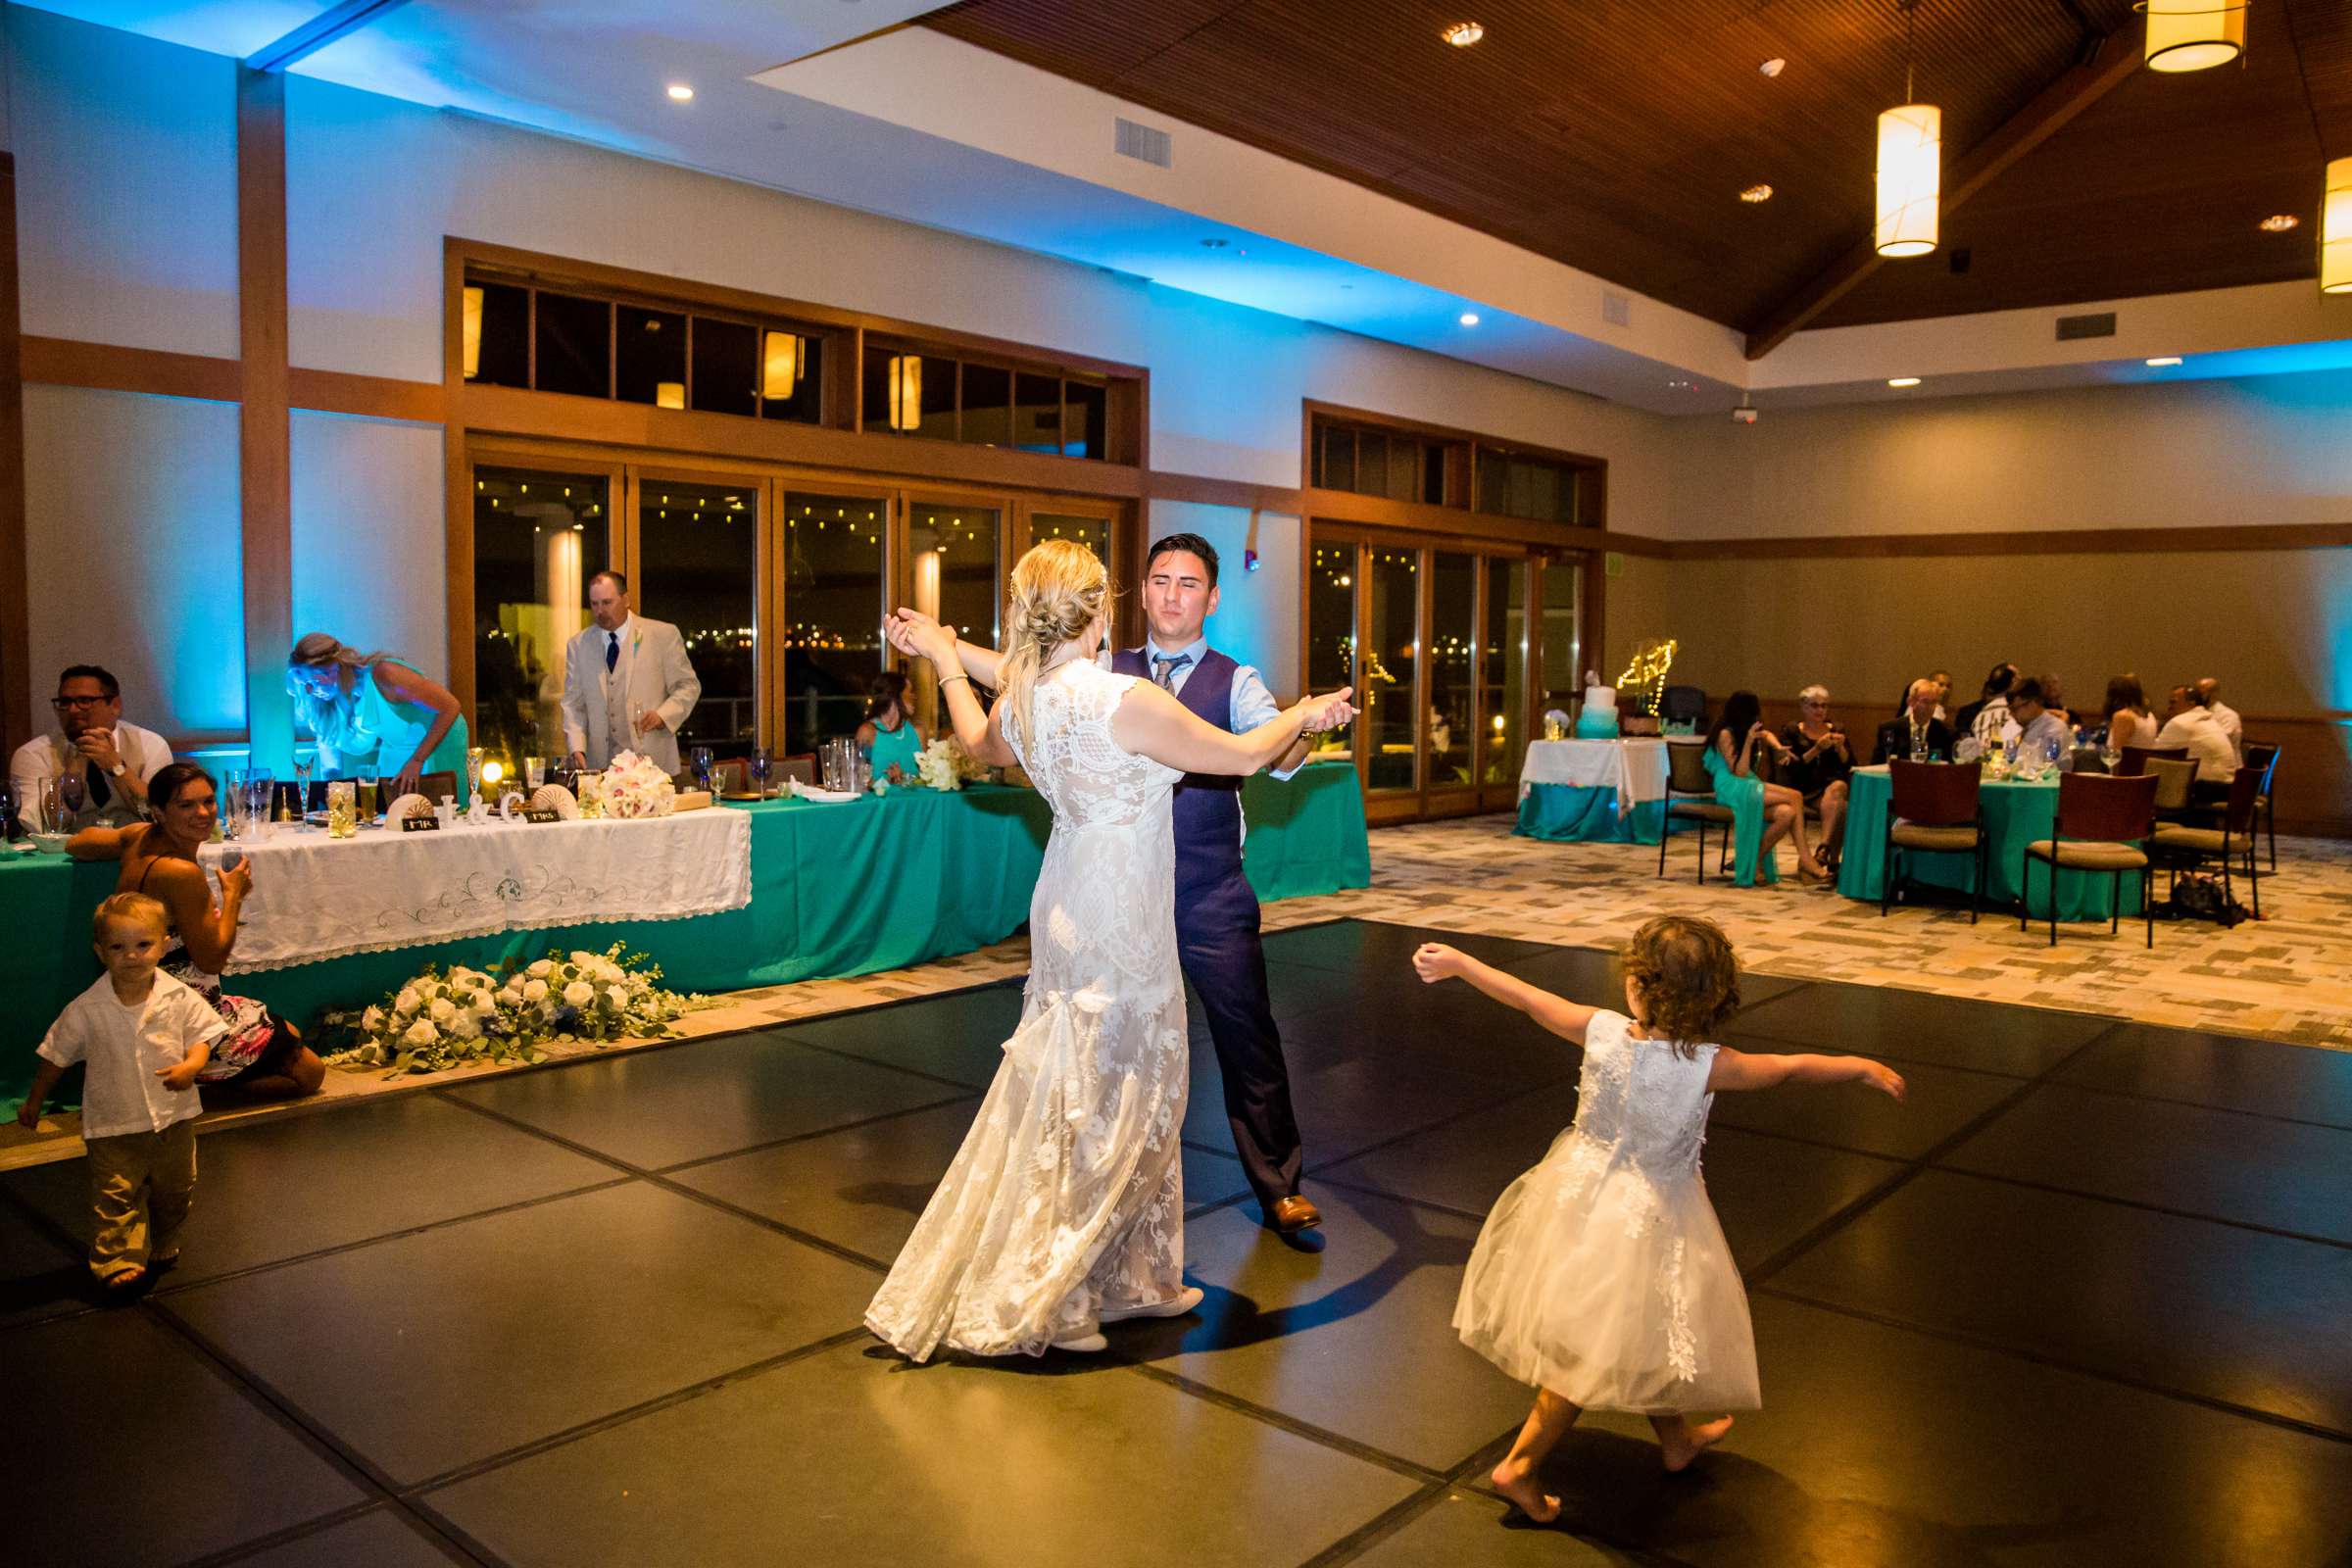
{"x": 1067, "y": 1196}
{"x": 1603, "y": 1273}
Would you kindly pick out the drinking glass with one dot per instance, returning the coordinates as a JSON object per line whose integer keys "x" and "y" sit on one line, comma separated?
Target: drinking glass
{"x": 473, "y": 771}
{"x": 534, "y": 772}
{"x": 762, "y": 765}
{"x": 592, "y": 794}
{"x": 52, "y": 816}
{"x": 370, "y": 800}
{"x": 1919, "y": 751}
{"x": 71, "y": 794}
{"x": 302, "y": 777}
{"x": 342, "y": 808}
{"x": 259, "y": 786}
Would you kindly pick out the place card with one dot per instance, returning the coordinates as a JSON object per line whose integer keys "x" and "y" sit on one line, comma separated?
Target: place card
{"x": 420, "y": 824}
{"x": 537, "y": 815}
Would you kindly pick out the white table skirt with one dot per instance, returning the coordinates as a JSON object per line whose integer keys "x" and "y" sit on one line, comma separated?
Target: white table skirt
{"x": 1635, "y": 768}
{"x": 315, "y": 897}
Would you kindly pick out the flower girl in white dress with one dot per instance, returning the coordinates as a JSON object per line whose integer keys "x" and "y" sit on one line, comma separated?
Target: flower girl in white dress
{"x": 1602, "y": 1277}
{"x": 1064, "y": 1208}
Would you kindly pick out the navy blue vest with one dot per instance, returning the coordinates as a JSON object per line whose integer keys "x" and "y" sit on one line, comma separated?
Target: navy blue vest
{"x": 1208, "y": 806}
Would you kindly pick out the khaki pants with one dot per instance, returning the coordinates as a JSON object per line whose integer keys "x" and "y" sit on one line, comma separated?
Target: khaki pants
{"x": 140, "y": 1186}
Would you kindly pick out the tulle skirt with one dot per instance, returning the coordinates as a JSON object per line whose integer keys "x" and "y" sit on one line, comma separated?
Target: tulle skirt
{"x": 1614, "y": 1289}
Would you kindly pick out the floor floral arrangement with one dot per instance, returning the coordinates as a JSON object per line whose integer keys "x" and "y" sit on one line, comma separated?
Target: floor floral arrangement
{"x": 453, "y": 1018}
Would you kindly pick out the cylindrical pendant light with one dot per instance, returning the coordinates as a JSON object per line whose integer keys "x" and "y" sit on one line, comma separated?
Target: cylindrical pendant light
{"x": 780, "y": 366}
{"x": 905, "y": 391}
{"x": 1910, "y": 178}
{"x": 2194, "y": 34}
{"x": 2335, "y": 230}
{"x": 473, "y": 332}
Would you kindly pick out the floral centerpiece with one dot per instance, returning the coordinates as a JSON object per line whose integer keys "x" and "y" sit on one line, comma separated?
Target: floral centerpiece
{"x": 448, "y": 1019}
{"x": 636, "y": 786}
{"x": 944, "y": 764}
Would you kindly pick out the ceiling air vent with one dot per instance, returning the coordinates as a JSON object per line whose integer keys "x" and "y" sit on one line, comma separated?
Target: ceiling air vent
{"x": 1616, "y": 309}
{"x": 1143, "y": 143}
{"x": 2072, "y": 328}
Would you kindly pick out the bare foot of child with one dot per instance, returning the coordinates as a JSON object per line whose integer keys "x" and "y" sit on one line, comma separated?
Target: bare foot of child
{"x": 1519, "y": 1483}
{"x": 1682, "y": 1443}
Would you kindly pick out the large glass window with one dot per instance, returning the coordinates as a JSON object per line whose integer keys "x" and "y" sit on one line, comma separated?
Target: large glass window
{"x": 1092, "y": 532}
{"x": 498, "y": 334}
{"x": 650, "y": 357}
{"x": 1395, "y": 463}
{"x": 1452, "y": 645}
{"x": 538, "y": 537}
{"x": 1536, "y": 488}
{"x": 698, "y": 554}
{"x": 726, "y": 368}
{"x": 1392, "y": 666}
{"x": 1563, "y": 631}
{"x": 1506, "y": 670}
{"x": 833, "y": 612}
{"x": 1331, "y": 632}
{"x": 953, "y": 549}
{"x": 574, "y": 344}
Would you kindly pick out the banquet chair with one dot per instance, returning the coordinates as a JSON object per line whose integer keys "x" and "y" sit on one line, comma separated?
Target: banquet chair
{"x": 1687, "y": 778}
{"x": 800, "y": 765}
{"x": 2265, "y": 756}
{"x": 2176, "y": 786}
{"x": 432, "y": 786}
{"x": 1933, "y": 809}
{"x": 2231, "y": 845}
{"x": 2137, "y": 758}
{"x": 2102, "y": 826}
{"x": 1683, "y": 705}
{"x": 732, "y": 777}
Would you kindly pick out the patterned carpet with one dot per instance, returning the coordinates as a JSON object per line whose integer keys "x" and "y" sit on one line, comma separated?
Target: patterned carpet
{"x": 2288, "y": 977}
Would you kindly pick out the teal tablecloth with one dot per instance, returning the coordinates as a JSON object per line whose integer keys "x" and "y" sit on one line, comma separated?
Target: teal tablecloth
{"x": 1567, "y": 813}
{"x": 2016, "y": 813}
{"x": 839, "y": 889}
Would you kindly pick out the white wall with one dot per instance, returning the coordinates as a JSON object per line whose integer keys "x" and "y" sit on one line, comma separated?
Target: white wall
{"x": 364, "y": 568}
{"x": 1258, "y": 612}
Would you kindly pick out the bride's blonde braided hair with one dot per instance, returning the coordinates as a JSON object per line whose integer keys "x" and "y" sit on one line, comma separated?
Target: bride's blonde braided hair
{"x": 1059, "y": 589}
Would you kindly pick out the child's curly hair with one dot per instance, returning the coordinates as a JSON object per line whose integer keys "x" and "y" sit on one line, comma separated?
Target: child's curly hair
{"x": 1687, "y": 977}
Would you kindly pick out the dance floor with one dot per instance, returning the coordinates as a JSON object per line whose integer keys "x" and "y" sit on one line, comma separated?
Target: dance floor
{"x": 2082, "y": 1300}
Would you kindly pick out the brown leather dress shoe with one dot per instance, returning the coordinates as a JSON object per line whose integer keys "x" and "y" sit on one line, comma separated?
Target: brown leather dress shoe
{"x": 1293, "y": 1214}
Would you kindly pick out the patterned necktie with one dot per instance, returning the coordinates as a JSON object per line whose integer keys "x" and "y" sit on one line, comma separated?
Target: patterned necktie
{"x": 611, "y": 651}
{"x": 101, "y": 788}
{"x": 1170, "y": 666}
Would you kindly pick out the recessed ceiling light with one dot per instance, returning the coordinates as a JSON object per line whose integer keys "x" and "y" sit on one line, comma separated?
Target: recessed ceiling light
{"x": 1213, "y": 244}
{"x": 679, "y": 91}
{"x": 1462, "y": 35}
{"x": 2164, "y": 359}
{"x": 1756, "y": 193}
{"x": 1903, "y": 380}
{"x": 1773, "y": 66}
{"x": 2279, "y": 223}
{"x": 1469, "y": 318}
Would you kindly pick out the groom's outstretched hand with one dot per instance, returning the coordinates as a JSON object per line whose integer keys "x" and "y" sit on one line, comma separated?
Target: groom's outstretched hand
{"x": 1319, "y": 714}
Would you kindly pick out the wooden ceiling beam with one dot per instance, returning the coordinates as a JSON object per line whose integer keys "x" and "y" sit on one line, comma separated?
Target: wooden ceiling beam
{"x": 2082, "y": 85}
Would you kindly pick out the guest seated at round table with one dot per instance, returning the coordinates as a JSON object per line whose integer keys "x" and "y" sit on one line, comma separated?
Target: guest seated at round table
{"x": 890, "y": 737}
{"x": 2042, "y": 736}
{"x": 1919, "y": 734}
{"x": 2187, "y": 723}
{"x": 263, "y": 1056}
{"x": 372, "y": 711}
{"x": 1986, "y": 721}
{"x": 2125, "y": 714}
{"x": 1819, "y": 757}
{"x": 1763, "y": 814}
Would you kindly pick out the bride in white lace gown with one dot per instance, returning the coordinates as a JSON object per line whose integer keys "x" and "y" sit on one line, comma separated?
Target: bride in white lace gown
{"x": 1064, "y": 1208}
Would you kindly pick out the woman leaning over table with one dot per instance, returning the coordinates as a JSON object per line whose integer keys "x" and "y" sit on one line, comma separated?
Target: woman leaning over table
{"x": 263, "y": 1056}
{"x": 373, "y": 708}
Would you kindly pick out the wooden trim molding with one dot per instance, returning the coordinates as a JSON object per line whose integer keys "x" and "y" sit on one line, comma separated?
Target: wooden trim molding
{"x": 15, "y": 649}
{"x": 373, "y": 396}
{"x": 2037, "y": 542}
{"x": 112, "y": 367}
{"x": 264, "y": 419}
{"x": 1438, "y": 432}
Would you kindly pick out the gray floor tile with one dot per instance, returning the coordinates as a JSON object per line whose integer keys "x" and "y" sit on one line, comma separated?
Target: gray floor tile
{"x": 145, "y": 1453}
{"x": 1375, "y": 947}
{"x": 1468, "y": 1527}
{"x": 1949, "y": 1031}
{"x": 1590, "y": 975}
{"x": 1345, "y": 1107}
{"x": 2228, "y": 1072}
{"x": 852, "y": 1457}
{"x": 1938, "y": 1102}
{"x": 712, "y": 1096}
{"x": 959, "y": 1037}
{"x": 502, "y": 1329}
{"x": 378, "y": 1539}
{"x": 39, "y": 1277}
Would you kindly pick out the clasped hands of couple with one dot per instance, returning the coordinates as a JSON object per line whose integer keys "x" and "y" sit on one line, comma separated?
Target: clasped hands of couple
{"x": 920, "y": 636}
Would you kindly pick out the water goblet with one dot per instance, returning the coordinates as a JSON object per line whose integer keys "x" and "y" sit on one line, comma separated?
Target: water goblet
{"x": 474, "y": 758}
{"x": 534, "y": 772}
{"x": 762, "y": 766}
{"x": 71, "y": 794}
{"x": 699, "y": 759}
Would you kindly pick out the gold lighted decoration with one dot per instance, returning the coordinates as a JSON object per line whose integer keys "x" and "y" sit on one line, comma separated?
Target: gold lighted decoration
{"x": 905, "y": 391}
{"x": 2335, "y": 230}
{"x": 669, "y": 394}
{"x": 473, "y": 331}
{"x": 2194, "y": 34}
{"x": 780, "y": 366}
{"x": 1645, "y": 676}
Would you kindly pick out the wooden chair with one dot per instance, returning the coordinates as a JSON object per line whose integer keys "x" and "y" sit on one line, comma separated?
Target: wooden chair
{"x": 732, "y": 777}
{"x": 1691, "y": 797}
{"x": 2176, "y": 786}
{"x": 2193, "y": 847}
{"x": 2265, "y": 756}
{"x": 800, "y": 765}
{"x": 2136, "y": 759}
{"x": 1933, "y": 808}
{"x": 2099, "y": 824}
{"x": 432, "y": 786}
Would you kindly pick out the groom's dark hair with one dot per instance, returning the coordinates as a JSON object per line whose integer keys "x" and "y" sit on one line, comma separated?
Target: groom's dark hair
{"x": 1191, "y": 541}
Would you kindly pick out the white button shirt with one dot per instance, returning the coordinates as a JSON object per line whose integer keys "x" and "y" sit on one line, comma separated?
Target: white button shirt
{"x": 125, "y": 1048}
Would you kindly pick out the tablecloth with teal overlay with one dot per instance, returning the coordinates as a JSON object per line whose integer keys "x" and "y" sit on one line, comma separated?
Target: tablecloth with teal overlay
{"x": 1568, "y": 814}
{"x": 2016, "y": 814}
{"x": 837, "y": 889}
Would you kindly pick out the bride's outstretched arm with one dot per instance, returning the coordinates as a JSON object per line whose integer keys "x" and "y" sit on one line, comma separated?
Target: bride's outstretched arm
{"x": 972, "y": 723}
{"x": 978, "y": 663}
{"x": 1158, "y": 727}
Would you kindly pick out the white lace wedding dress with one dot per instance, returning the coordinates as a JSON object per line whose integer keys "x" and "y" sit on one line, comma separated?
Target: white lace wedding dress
{"x": 1067, "y": 1196}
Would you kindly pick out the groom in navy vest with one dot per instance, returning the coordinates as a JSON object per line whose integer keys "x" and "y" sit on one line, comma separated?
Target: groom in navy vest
{"x": 1216, "y": 910}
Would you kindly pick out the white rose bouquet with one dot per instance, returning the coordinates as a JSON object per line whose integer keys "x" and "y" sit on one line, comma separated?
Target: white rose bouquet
{"x": 437, "y": 1021}
{"x": 636, "y": 786}
{"x": 944, "y": 764}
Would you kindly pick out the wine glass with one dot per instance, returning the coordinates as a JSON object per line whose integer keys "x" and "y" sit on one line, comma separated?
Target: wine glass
{"x": 762, "y": 765}
{"x": 699, "y": 758}
{"x": 304, "y": 765}
{"x": 473, "y": 771}
{"x": 72, "y": 793}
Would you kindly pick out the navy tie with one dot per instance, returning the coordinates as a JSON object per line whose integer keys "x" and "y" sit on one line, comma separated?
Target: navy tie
{"x": 1171, "y": 665}
{"x": 611, "y": 651}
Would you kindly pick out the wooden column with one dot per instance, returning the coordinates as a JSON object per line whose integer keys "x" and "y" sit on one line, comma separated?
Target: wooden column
{"x": 17, "y": 725}
{"x": 265, "y": 433}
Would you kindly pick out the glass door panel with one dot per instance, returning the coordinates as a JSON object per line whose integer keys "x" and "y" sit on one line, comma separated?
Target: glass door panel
{"x": 1563, "y": 631}
{"x": 538, "y": 537}
{"x": 698, "y": 564}
{"x": 833, "y": 588}
{"x": 1452, "y": 645}
{"x": 955, "y": 549}
{"x": 1092, "y": 532}
{"x": 1505, "y": 672}
{"x": 1331, "y": 633}
{"x": 1392, "y": 667}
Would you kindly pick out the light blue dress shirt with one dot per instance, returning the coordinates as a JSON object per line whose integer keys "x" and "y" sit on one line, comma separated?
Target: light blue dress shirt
{"x": 1252, "y": 704}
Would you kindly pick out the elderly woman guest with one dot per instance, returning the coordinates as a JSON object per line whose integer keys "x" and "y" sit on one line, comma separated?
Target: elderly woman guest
{"x": 1818, "y": 757}
{"x": 2125, "y": 714}
{"x": 376, "y": 711}
{"x": 1763, "y": 814}
{"x": 263, "y": 1058}
{"x": 890, "y": 737}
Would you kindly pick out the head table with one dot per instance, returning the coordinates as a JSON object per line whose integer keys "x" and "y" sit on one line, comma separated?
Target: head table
{"x": 2016, "y": 813}
{"x": 1594, "y": 791}
{"x": 723, "y": 900}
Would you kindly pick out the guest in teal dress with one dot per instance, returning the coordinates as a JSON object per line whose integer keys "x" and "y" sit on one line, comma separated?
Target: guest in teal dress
{"x": 890, "y": 737}
{"x": 372, "y": 712}
{"x": 1762, "y": 813}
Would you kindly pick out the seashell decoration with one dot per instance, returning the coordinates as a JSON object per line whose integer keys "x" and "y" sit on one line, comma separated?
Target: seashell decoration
{"x": 408, "y": 805}
{"x": 557, "y": 799}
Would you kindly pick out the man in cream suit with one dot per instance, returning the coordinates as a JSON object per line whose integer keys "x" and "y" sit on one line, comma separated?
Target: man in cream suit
{"x": 628, "y": 685}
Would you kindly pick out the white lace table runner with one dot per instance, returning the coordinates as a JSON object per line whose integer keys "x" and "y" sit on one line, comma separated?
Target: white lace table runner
{"x": 315, "y": 897}
{"x": 1635, "y": 768}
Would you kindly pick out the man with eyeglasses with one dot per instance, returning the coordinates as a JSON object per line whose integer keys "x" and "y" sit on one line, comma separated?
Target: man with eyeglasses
{"x": 101, "y": 764}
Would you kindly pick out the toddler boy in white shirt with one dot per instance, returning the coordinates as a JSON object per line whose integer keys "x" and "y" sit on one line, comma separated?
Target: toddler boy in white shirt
{"x": 142, "y": 1037}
